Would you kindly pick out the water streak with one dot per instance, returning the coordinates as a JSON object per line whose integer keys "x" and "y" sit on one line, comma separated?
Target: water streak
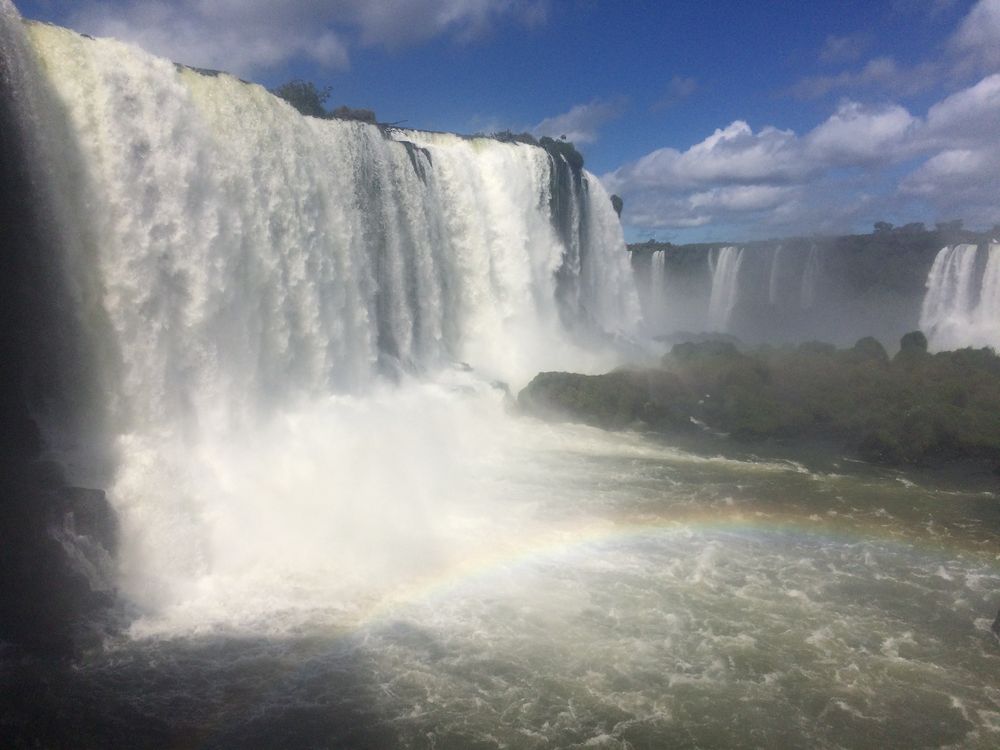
{"x": 725, "y": 269}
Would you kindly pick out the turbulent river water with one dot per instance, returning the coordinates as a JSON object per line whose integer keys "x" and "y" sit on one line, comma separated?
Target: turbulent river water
{"x": 290, "y": 346}
{"x": 582, "y": 589}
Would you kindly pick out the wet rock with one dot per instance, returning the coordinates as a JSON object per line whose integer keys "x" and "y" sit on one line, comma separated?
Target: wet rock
{"x": 55, "y": 561}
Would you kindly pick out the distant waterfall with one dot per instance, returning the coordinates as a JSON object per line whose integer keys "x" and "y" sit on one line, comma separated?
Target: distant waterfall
{"x": 656, "y": 295}
{"x": 774, "y": 278}
{"x": 962, "y": 304}
{"x": 724, "y": 266}
{"x": 810, "y": 278}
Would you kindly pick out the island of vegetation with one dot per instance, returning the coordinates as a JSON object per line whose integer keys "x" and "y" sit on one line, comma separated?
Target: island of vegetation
{"x": 914, "y": 408}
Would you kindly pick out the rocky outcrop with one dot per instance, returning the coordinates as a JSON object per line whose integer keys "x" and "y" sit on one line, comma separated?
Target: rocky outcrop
{"x": 55, "y": 560}
{"x": 917, "y": 408}
{"x": 56, "y": 540}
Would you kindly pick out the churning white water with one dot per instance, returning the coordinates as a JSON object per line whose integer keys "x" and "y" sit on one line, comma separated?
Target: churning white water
{"x": 300, "y": 320}
{"x": 962, "y": 303}
{"x": 335, "y": 534}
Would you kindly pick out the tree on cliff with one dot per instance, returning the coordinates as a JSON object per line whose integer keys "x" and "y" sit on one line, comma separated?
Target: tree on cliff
{"x": 311, "y": 101}
{"x": 305, "y": 97}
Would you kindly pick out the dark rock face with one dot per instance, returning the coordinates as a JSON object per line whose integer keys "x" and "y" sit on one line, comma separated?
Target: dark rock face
{"x": 55, "y": 561}
{"x": 996, "y": 625}
{"x": 55, "y": 540}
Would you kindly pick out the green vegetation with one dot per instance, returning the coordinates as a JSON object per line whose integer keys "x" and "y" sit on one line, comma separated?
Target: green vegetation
{"x": 305, "y": 97}
{"x": 311, "y": 101}
{"x": 916, "y": 408}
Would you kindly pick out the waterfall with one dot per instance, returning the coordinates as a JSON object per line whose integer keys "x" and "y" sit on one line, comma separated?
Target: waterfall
{"x": 258, "y": 282}
{"x": 773, "y": 282}
{"x": 962, "y": 304}
{"x": 724, "y": 266}
{"x": 654, "y": 288}
{"x": 810, "y": 278}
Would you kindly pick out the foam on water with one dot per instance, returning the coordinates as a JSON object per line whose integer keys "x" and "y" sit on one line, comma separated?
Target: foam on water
{"x": 318, "y": 503}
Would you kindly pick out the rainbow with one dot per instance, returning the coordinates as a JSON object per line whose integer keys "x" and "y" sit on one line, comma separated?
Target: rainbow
{"x": 575, "y": 541}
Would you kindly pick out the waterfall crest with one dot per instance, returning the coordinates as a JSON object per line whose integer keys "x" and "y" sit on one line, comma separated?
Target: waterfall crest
{"x": 246, "y": 254}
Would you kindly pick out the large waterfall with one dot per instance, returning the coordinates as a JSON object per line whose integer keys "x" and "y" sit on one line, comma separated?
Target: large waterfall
{"x": 282, "y": 314}
{"x": 962, "y": 304}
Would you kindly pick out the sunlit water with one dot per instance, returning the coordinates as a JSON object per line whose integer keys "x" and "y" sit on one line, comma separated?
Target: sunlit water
{"x": 334, "y": 533}
{"x": 574, "y": 588}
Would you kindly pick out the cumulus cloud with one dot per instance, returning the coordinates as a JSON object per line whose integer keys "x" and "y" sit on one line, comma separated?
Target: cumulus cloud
{"x": 582, "y": 122}
{"x": 734, "y": 154}
{"x": 247, "y": 36}
{"x": 968, "y": 117}
{"x": 977, "y": 39}
{"x": 856, "y": 135}
{"x": 844, "y": 170}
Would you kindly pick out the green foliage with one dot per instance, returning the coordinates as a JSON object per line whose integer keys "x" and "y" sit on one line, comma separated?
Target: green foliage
{"x": 870, "y": 349}
{"x": 912, "y": 347}
{"x": 918, "y": 408}
{"x": 311, "y": 101}
{"x": 305, "y": 97}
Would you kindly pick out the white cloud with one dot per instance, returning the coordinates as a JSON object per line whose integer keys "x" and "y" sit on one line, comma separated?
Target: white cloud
{"x": 247, "y": 36}
{"x": 969, "y": 116}
{"x": 581, "y": 123}
{"x": 741, "y": 197}
{"x": 857, "y": 135}
{"x": 959, "y": 183}
{"x": 978, "y": 36}
{"x": 841, "y": 172}
{"x": 734, "y": 154}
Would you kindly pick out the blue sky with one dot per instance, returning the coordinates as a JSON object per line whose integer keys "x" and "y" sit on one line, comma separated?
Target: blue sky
{"x": 714, "y": 120}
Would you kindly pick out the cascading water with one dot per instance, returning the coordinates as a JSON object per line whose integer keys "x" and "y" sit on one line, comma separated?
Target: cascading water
{"x": 655, "y": 297}
{"x": 725, "y": 270}
{"x": 253, "y": 275}
{"x": 810, "y": 278}
{"x": 962, "y": 304}
{"x": 286, "y": 332}
{"x": 774, "y": 277}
